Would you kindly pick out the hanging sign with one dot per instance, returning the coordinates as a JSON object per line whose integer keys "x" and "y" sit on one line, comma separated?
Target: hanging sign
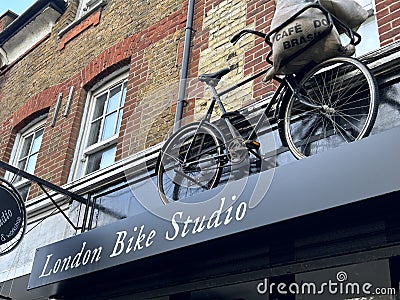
{"x": 12, "y": 218}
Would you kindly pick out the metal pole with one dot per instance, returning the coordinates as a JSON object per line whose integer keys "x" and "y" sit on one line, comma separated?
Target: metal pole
{"x": 185, "y": 66}
{"x": 41, "y": 181}
{"x": 59, "y": 208}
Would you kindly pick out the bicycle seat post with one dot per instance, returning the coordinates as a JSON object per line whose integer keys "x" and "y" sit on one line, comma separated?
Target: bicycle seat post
{"x": 217, "y": 99}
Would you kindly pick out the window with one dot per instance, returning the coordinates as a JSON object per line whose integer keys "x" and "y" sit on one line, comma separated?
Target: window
{"x": 368, "y": 30}
{"x": 85, "y": 6}
{"x": 102, "y": 125}
{"x": 26, "y": 151}
{"x": 3, "y": 58}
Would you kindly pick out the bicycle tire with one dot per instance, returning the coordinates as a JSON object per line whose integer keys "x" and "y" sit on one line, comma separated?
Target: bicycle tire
{"x": 336, "y": 104}
{"x": 179, "y": 174}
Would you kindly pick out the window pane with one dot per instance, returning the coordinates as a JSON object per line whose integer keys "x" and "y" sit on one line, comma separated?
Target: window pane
{"x": 94, "y": 133}
{"x": 370, "y": 37}
{"x": 86, "y": 6}
{"x": 364, "y": 2}
{"x": 28, "y": 149}
{"x": 104, "y": 126}
{"x": 30, "y": 166}
{"x": 37, "y": 141}
{"x": 101, "y": 159}
{"x": 370, "y": 40}
{"x": 116, "y": 204}
{"x": 108, "y": 128}
{"x": 93, "y": 163}
{"x": 24, "y": 191}
{"x": 22, "y": 163}
{"x": 99, "y": 107}
{"x": 113, "y": 102}
{"x": 108, "y": 157}
{"x": 26, "y": 146}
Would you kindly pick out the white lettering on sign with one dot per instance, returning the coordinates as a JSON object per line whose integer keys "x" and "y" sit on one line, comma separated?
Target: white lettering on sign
{"x": 82, "y": 258}
{"x": 134, "y": 243}
{"x": 183, "y": 226}
{"x": 139, "y": 238}
{"x": 5, "y": 216}
{"x": 14, "y": 229}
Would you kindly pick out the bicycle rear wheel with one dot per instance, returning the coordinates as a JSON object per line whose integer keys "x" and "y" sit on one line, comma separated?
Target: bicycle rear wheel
{"x": 190, "y": 162}
{"x": 336, "y": 103}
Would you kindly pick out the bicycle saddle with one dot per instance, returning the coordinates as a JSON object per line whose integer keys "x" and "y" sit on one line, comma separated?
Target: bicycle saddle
{"x": 213, "y": 78}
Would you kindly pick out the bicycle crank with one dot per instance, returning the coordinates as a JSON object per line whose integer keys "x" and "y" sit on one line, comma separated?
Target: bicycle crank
{"x": 237, "y": 151}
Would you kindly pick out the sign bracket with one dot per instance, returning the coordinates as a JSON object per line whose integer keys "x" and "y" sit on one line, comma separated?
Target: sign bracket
{"x": 44, "y": 183}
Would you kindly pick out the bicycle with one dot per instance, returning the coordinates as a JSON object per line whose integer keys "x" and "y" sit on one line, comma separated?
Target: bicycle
{"x": 324, "y": 106}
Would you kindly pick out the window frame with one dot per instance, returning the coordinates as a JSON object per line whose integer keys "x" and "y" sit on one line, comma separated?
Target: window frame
{"x": 86, "y": 7}
{"x": 3, "y": 58}
{"x": 370, "y": 7}
{"x": 84, "y": 151}
{"x": 32, "y": 128}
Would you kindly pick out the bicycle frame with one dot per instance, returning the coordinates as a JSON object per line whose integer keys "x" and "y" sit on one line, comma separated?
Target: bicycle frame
{"x": 201, "y": 150}
{"x": 216, "y": 99}
{"x": 289, "y": 81}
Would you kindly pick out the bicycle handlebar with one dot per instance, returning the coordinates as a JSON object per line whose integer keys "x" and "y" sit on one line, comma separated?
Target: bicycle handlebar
{"x": 355, "y": 38}
{"x": 243, "y": 32}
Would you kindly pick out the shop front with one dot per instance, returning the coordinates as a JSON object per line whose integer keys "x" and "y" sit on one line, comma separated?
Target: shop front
{"x": 326, "y": 226}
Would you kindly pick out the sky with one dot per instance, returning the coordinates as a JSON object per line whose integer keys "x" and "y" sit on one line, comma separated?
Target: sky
{"x": 17, "y": 6}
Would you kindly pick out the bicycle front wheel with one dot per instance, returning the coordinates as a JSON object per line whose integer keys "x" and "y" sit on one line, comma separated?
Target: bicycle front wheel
{"x": 336, "y": 103}
{"x": 190, "y": 162}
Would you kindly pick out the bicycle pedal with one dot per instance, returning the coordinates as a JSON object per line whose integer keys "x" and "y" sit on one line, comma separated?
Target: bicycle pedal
{"x": 252, "y": 144}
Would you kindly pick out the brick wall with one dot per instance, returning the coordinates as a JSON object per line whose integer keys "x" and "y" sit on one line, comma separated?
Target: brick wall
{"x": 6, "y": 19}
{"x": 388, "y": 16}
{"x": 147, "y": 42}
{"x": 212, "y": 50}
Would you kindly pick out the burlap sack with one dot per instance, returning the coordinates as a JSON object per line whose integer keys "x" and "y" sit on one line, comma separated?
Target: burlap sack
{"x": 295, "y": 36}
{"x": 348, "y": 11}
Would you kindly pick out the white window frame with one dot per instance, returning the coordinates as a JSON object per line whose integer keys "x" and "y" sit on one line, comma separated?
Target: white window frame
{"x": 34, "y": 126}
{"x": 3, "y": 58}
{"x": 368, "y": 45}
{"x": 87, "y": 6}
{"x": 82, "y": 156}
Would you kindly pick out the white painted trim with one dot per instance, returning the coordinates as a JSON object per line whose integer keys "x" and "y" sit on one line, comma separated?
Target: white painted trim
{"x": 80, "y": 18}
{"x": 80, "y": 163}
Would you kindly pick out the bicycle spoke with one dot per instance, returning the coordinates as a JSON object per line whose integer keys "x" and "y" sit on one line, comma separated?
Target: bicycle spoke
{"x": 313, "y": 129}
{"x": 355, "y": 101}
{"x": 191, "y": 162}
{"x": 191, "y": 179}
{"x": 171, "y": 156}
{"x": 352, "y": 116}
{"x": 342, "y": 131}
{"x": 348, "y": 121}
{"x": 344, "y": 94}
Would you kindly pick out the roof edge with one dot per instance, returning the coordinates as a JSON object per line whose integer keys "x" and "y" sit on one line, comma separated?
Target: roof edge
{"x": 26, "y": 17}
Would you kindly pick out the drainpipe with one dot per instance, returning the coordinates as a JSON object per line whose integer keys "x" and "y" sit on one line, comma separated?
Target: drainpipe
{"x": 185, "y": 66}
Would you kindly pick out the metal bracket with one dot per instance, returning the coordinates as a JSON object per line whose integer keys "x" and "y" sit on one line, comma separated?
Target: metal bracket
{"x": 44, "y": 183}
